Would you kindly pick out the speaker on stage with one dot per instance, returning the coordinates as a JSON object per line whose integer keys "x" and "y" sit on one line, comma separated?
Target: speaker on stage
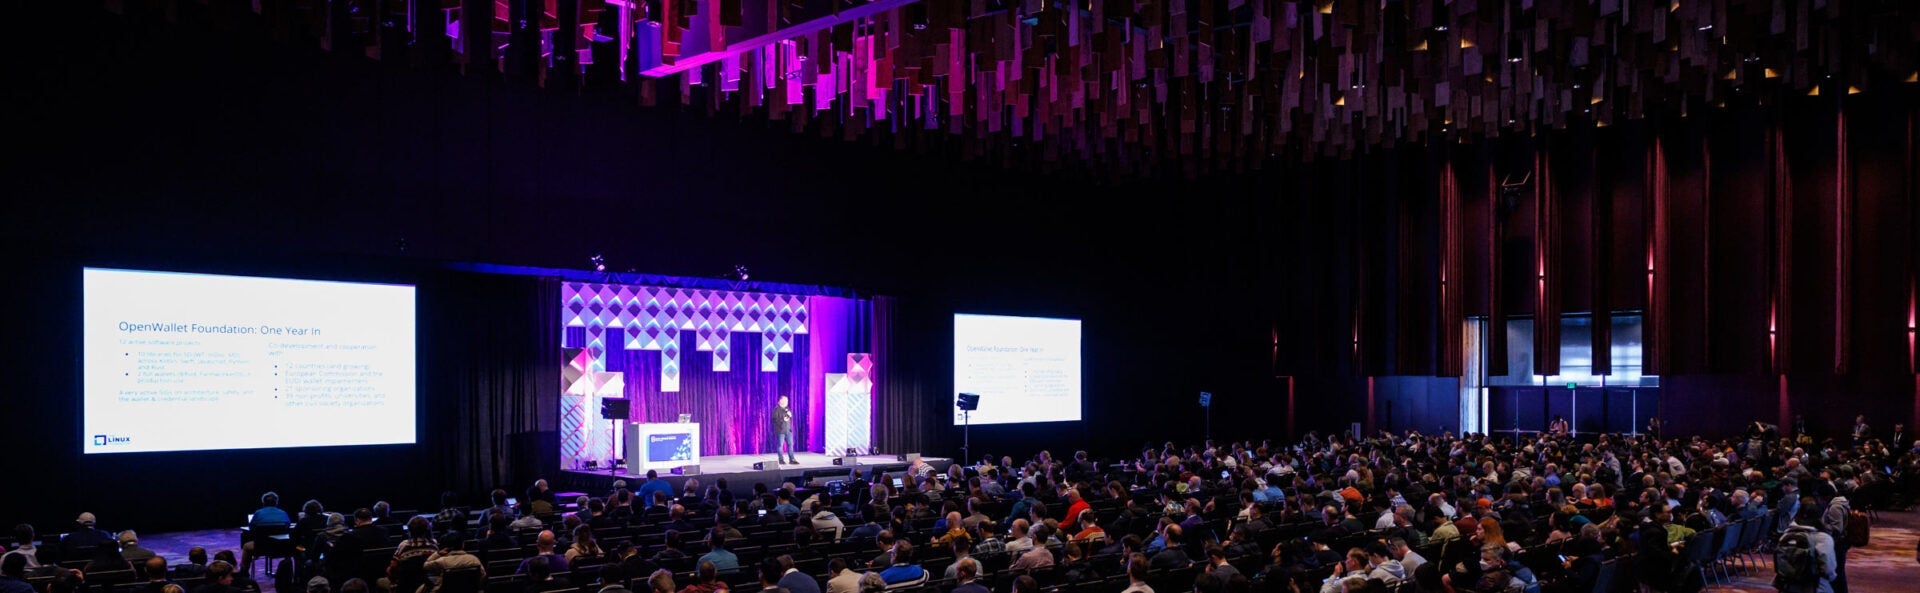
{"x": 614, "y": 408}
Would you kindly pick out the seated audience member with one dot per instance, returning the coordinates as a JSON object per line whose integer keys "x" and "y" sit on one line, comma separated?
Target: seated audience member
{"x": 769, "y": 574}
{"x": 266, "y": 519}
{"x": 706, "y": 580}
{"x": 841, "y": 578}
{"x": 544, "y": 546}
{"x": 1137, "y": 575}
{"x": 1037, "y": 557}
{"x": 195, "y": 567}
{"x": 156, "y": 568}
{"x": 106, "y": 557}
{"x": 219, "y": 579}
{"x": 79, "y": 544}
{"x": 13, "y": 574}
{"x": 903, "y": 573}
{"x": 344, "y": 559}
{"x": 1173, "y": 556}
{"x": 1076, "y": 568}
{"x": 626, "y": 564}
{"x": 961, "y": 551}
{"x": 670, "y": 553}
{"x": 313, "y": 519}
{"x": 792, "y": 580}
{"x": 452, "y": 556}
{"x": 1089, "y": 531}
{"x": 452, "y": 517}
{"x": 241, "y": 580}
{"x": 584, "y": 546}
{"x": 23, "y": 538}
{"x": 130, "y": 548}
{"x": 965, "y": 580}
{"x": 540, "y": 578}
{"x": 319, "y": 585}
{"x": 825, "y": 523}
{"x": 661, "y": 581}
{"x": 1018, "y": 539}
{"x": 720, "y": 556}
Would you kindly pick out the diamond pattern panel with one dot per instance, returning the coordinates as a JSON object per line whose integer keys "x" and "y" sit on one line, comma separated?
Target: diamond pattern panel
{"x": 653, "y": 318}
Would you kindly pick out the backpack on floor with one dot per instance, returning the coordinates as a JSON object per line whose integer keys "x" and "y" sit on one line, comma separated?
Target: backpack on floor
{"x": 1857, "y": 527}
{"x": 284, "y": 575}
{"x": 1795, "y": 560}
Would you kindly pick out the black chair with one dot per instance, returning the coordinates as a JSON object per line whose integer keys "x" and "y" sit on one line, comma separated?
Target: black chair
{"x": 465, "y": 580}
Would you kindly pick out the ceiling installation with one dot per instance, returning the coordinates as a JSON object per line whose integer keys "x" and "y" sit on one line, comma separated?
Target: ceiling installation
{"x": 1130, "y": 87}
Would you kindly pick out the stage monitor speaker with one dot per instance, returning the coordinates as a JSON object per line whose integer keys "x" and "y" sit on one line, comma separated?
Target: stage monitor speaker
{"x": 759, "y": 465}
{"x": 839, "y": 461}
{"x": 686, "y": 470}
{"x": 613, "y": 408}
{"x": 968, "y": 402}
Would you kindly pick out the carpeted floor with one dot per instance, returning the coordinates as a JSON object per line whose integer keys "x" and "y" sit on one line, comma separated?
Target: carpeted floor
{"x": 1886, "y": 565}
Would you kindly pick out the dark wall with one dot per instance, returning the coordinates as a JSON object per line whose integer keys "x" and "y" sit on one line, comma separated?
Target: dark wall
{"x": 187, "y": 146}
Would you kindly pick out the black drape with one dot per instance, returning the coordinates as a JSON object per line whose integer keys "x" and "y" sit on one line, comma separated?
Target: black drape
{"x": 906, "y": 377}
{"x": 492, "y": 395}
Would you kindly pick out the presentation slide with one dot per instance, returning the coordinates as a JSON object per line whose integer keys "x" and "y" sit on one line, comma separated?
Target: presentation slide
{"x": 1025, "y": 369}
{"x": 195, "y": 362}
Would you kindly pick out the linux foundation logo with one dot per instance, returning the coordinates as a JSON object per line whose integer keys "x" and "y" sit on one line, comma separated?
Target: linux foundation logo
{"x": 103, "y": 440}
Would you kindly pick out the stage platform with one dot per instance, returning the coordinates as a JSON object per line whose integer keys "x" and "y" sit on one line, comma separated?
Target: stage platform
{"x": 740, "y": 475}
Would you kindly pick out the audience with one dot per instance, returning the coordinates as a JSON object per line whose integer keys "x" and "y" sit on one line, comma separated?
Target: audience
{"x": 1328, "y": 513}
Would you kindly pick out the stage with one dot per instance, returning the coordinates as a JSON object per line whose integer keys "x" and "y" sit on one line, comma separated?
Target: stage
{"x": 741, "y": 476}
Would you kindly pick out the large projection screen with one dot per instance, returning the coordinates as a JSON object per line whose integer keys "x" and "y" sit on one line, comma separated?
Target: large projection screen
{"x": 1025, "y": 369}
{"x": 195, "y": 362}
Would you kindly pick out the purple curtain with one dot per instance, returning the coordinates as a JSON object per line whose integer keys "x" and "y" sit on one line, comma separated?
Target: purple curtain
{"x": 733, "y": 407}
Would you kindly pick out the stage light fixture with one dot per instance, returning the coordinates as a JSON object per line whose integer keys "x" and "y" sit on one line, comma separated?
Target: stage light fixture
{"x": 599, "y": 262}
{"x": 741, "y": 273}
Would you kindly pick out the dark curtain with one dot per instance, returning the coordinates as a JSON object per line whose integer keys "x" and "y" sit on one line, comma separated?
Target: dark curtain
{"x": 491, "y": 386}
{"x": 733, "y": 407}
{"x": 906, "y": 403}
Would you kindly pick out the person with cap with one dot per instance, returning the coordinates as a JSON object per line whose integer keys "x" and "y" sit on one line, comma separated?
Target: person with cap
{"x": 79, "y": 544}
{"x": 130, "y": 548}
{"x": 452, "y": 556}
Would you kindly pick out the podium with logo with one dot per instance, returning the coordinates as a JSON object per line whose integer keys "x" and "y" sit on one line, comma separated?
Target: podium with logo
{"x": 662, "y": 446}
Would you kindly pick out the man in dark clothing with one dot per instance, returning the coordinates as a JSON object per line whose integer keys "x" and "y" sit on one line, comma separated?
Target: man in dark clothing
{"x": 627, "y": 565}
{"x": 344, "y": 559}
{"x": 219, "y": 579}
{"x": 783, "y": 431}
{"x": 13, "y": 575}
{"x": 793, "y": 580}
{"x": 156, "y": 576}
{"x": 79, "y": 545}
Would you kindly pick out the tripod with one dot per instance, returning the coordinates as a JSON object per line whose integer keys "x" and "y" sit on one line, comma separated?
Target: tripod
{"x": 966, "y": 435}
{"x": 613, "y": 446}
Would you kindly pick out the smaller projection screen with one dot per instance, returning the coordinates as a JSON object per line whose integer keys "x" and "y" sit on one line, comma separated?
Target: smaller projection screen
{"x": 1025, "y": 369}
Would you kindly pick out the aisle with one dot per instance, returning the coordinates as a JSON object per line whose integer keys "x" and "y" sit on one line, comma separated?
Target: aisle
{"x": 1886, "y": 565}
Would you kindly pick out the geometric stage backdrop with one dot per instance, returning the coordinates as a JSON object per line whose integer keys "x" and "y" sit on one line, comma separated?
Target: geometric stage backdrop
{"x": 611, "y": 331}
